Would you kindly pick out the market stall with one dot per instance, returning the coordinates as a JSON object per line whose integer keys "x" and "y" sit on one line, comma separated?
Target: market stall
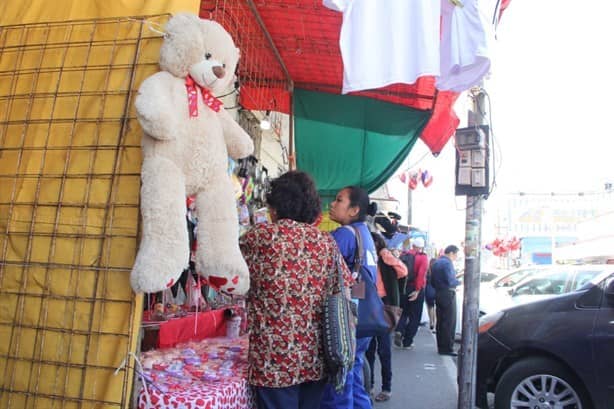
{"x": 70, "y": 171}
{"x": 208, "y": 374}
{"x": 194, "y": 341}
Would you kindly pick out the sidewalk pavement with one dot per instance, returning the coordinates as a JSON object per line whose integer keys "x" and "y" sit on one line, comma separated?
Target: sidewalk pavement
{"x": 421, "y": 378}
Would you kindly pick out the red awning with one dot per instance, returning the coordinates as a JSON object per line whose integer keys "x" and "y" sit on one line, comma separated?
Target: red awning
{"x": 295, "y": 43}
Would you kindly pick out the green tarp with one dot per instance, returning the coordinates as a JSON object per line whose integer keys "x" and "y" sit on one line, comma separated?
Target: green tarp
{"x": 346, "y": 140}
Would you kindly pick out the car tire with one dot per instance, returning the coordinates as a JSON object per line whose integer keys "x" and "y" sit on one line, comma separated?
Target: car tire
{"x": 512, "y": 385}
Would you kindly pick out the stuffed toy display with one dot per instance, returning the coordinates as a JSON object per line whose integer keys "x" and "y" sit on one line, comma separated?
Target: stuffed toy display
{"x": 188, "y": 136}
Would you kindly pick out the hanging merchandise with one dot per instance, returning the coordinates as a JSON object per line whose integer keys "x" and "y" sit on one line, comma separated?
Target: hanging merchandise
{"x": 502, "y": 247}
{"x": 401, "y": 45}
{"x": 194, "y": 297}
{"x": 185, "y": 148}
{"x": 413, "y": 180}
{"x": 426, "y": 178}
{"x": 248, "y": 188}
{"x": 261, "y": 216}
{"x": 237, "y": 186}
{"x": 244, "y": 219}
{"x": 467, "y": 34}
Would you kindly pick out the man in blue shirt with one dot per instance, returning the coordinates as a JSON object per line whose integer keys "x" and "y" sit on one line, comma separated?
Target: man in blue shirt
{"x": 443, "y": 279}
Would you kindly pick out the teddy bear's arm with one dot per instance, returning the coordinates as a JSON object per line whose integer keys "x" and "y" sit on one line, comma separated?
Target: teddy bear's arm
{"x": 154, "y": 106}
{"x": 238, "y": 142}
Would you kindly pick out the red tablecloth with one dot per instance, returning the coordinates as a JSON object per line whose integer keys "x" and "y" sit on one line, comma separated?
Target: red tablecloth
{"x": 207, "y": 374}
{"x": 229, "y": 394}
{"x": 191, "y": 328}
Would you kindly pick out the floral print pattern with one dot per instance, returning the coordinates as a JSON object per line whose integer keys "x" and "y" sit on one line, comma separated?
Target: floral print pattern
{"x": 290, "y": 264}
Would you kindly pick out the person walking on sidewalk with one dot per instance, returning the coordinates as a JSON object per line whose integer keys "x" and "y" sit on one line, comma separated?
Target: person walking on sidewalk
{"x": 443, "y": 279}
{"x": 389, "y": 270}
{"x": 350, "y": 209}
{"x": 413, "y": 300}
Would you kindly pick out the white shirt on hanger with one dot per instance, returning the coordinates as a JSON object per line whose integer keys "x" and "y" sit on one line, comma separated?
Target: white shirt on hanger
{"x": 467, "y": 36}
{"x": 384, "y": 42}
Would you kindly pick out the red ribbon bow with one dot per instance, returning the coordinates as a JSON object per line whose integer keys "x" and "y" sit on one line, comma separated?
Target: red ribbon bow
{"x": 208, "y": 98}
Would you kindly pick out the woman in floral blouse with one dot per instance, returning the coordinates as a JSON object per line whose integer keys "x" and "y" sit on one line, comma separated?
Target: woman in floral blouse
{"x": 289, "y": 262}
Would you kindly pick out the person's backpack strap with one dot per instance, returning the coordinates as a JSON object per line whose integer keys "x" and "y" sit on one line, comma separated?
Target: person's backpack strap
{"x": 358, "y": 254}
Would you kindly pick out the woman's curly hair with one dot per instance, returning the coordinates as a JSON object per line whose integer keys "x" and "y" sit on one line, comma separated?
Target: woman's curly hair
{"x": 294, "y": 196}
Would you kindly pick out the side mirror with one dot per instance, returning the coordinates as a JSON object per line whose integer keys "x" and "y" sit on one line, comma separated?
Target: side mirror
{"x": 609, "y": 288}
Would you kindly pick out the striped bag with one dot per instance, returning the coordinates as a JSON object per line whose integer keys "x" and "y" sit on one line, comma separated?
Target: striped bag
{"x": 338, "y": 331}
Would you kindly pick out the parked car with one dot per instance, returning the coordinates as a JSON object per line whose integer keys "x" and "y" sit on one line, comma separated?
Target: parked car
{"x": 545, "y": 283}
{"x": 492, "y": 291}
{"x": 515, "y": 276}
{"x": 485, "y": 276}
{"x": 552, "y": 353}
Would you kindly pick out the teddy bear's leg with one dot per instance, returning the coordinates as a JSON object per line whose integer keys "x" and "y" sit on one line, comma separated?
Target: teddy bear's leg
{"x": 218, "y": 257}
{"x": 164, "y": 250}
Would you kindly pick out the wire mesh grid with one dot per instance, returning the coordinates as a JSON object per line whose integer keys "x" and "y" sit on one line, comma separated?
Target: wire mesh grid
{"x": 69, "y": 208}
{"x": 264, "y": 81}
{"x": 296, "y": 45}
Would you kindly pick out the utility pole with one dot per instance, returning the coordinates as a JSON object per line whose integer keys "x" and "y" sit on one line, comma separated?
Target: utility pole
{"x": 473, "y": 238}
{"x": 409, "y": 210}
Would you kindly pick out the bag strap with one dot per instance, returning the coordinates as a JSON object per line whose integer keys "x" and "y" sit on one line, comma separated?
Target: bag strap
{"x": 336, "y": 267}
{"x": 358, "y": 254}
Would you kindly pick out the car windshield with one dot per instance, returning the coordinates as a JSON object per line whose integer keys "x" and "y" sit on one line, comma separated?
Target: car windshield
{"x": 484, "y": 277}
{"x": 547, "y": 283}
{"x": 595, "y": 279}
{"x": 511, "y": 279}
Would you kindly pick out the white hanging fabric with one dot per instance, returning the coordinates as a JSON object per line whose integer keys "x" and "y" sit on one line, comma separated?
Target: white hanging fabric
{"x": 387, "y": 42}
{"x": 467, "y": 34}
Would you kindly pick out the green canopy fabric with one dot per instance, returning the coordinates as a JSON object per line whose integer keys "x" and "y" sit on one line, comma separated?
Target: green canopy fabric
{"x": 344, "y": 140}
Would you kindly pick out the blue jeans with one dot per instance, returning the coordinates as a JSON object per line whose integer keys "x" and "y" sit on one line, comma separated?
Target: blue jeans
{"x": 354, "y": 395}
{"x": 306, "y": 395}
{"x": 382, "y": 344}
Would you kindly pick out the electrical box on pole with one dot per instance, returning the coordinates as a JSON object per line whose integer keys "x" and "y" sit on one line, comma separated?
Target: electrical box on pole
{"x": 472, "y": 164}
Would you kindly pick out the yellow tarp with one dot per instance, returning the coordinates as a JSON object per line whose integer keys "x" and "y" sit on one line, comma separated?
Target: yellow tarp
{"x": 37, "y": 11}
{"x": 69, "y": 202}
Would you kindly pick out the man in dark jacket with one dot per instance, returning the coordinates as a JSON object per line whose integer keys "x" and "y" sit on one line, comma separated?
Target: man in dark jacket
{"x": 443, "y": 279}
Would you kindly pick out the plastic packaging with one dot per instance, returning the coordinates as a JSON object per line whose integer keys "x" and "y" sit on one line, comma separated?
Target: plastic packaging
{"x": 233, "y": 327}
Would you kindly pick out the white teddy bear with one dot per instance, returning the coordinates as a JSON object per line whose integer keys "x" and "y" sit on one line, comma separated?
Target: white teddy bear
{"x": 187, "y": 139}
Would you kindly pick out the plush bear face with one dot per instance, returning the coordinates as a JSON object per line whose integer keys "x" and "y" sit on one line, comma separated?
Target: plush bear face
{"x": 201, "y": 48}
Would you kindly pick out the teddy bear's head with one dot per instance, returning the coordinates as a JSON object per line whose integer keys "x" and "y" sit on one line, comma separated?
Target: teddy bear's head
{"x": 200, "y": 48}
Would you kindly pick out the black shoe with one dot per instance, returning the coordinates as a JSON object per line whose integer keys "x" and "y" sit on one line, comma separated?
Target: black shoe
{"x": 449, "y": 353}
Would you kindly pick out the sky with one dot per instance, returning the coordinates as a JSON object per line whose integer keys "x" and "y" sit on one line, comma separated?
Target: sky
{"x": 550, "y": 92}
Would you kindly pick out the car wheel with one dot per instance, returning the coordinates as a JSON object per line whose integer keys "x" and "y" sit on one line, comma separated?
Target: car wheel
{"x": 539, "y": 383}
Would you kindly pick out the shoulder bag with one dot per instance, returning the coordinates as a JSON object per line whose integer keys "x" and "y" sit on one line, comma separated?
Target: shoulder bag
{"x": 371, "y": 316}
{"x": 338, "y": 330}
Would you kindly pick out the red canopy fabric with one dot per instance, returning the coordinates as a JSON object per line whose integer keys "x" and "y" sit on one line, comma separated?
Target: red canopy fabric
{"x": 306, "y": 54}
